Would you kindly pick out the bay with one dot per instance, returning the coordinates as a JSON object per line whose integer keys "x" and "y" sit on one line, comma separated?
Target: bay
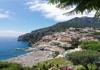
{"x": 9, "y": 46}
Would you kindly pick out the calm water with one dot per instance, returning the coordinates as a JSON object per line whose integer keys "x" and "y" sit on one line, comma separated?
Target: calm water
{"x": 8, "y": 48}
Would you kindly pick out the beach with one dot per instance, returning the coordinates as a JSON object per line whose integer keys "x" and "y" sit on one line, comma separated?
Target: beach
{"x": 32, "y": 58}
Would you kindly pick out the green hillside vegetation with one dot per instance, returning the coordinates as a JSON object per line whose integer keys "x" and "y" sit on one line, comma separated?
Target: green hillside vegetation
{"x": 60, "y": 61}
{"x": 91, "y": 45}
{"x": 97, "y": 33}
{"x": 11, "y": 66}
{"x": 88, "y": 59}
{"x": 53, "y": 64}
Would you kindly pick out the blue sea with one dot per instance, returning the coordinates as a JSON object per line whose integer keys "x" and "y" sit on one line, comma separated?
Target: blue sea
{"x": 8, "y": 48}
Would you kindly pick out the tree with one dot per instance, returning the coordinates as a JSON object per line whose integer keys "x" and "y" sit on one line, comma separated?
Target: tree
{"x": 83, "y": 57}
{"x": 81, "y": 6}
{"x": 74, "y": 42}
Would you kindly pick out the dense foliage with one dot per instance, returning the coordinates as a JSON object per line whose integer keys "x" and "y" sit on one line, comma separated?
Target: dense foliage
{"x": 36, "y": 35}
{"x": 96, "y": 33}
{"x": 93, "y": 67}
{"x": 81, "y": 6}
{"x": 12, "y": 66}
{"x": 75, "y": 43}
{"x": 53, "y": 64}
{"x": 84, "y": 58}
{"x": 91, "y": 45}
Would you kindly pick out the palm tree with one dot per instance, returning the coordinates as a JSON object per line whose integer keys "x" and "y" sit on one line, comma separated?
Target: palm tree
{"x": 80, "y": 6}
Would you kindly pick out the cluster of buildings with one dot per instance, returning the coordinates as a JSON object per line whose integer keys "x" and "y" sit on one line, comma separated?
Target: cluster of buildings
{"x": 51, "y": 42}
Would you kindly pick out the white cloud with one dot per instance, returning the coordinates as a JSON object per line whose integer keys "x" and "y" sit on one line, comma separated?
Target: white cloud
{"x": 51, "y": 11}
{"x": 10, "y": 33}
{"x": 5, "y": 13}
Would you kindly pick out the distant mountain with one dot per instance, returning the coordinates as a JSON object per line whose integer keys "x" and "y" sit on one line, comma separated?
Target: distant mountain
{"x": 36, "y": 35}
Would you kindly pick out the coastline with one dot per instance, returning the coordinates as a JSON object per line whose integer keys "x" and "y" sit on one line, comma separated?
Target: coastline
{"x": 31, "y": 58}
{"x": 17, "y": 57}
{"x": 28, "y": 52}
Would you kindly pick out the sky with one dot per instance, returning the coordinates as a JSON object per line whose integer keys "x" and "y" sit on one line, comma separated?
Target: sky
{"x": 18, "y": 17}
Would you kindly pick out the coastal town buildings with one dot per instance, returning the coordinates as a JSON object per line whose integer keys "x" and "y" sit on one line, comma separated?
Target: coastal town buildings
{"x": 63, "y": 39}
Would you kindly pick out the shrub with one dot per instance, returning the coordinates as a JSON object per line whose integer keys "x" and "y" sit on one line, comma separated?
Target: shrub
{"x": 12, "y": 66}
{"x": 96, "y": 33}
{"x": 83, "y": 57}
{"x": 55, "y": 54}
{"x": 91, "y": 45}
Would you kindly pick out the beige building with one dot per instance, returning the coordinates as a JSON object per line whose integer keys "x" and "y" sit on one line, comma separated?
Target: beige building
{"x": 65, "y": 39}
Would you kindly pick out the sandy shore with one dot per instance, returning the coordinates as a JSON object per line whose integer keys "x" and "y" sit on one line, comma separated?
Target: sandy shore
{"x": 32, "y": 58}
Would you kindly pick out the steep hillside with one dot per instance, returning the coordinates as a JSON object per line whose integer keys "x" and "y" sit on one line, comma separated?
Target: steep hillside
{"x": 36, "y": 35}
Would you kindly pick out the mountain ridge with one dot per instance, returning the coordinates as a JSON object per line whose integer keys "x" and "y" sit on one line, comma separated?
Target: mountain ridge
{"x": 77, "y": 22}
